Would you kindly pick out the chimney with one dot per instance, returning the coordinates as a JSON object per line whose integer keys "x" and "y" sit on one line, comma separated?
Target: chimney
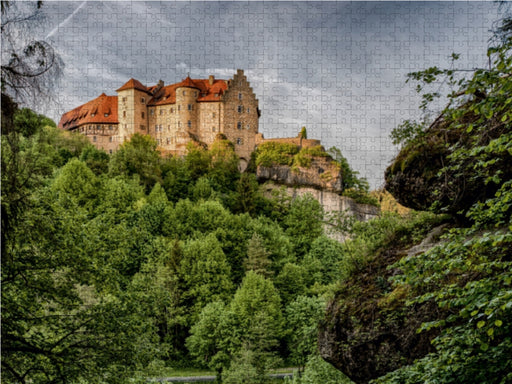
{"x": 211, "y": 79}
{"x": 158, "y": 87}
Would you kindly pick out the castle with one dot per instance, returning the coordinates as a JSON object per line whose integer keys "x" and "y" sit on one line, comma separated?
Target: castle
{"x": 192, "y": 110}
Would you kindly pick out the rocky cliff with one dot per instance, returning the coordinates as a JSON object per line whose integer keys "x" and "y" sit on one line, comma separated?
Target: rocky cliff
{"x": 322, "y": 173}
{"x": 322, "y": 179}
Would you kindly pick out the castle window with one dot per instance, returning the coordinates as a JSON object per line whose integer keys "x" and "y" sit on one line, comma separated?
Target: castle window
{"x": 240, "y": 109}
{"x": 151, "y": 112}
{"x": 110, "y": 127}
{"x": 239, "y": 96}
{"x": 190, "y": 107}
{"x": 142, "y": 114}
{"x": 124, "y": 98}
{"x": 169, "y": 128}
{"x": 110, "y": 151}
{"x": 213, "y": 129}
{"x": 142, "y": 100}
{"x": 213, "y": 114}
{"x": 179, "y": 107}
{"x": 142, "y": 127}
{"x": 189, "y": 123}
{"x": 247, "y": 126}
{"x": 124, "y": 113}
{"x": 239, "y": 141}
{"x": 98, "y": 127}
{"x": 168, "y": 140}
{"x": 161, "y": 112}
{"x": 239, "y": 125}
{"x": 184, "y": 93}
{"x": 94, "y": 138}
{"x": 156, "y": 128}
{"x": 248, "y": 109}
{"x": 195, "y": 94}
{"x": 179, "y": 123}
{"x": 110, "y": 139}
{"x": 172, "y": 110}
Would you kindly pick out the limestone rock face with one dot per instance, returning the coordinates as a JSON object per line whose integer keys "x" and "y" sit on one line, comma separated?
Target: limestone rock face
{"x": 321, "y": 174}
{"x": 330, "y": 201}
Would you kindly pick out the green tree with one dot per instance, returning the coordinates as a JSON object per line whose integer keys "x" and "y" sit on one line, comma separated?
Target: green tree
{"x": 258, "y": 320}
{"x": 323, "y": 260}
{"x": 139, "y": 156}
{"x": 205, "y": 272}
{"x": 304, "y": 223}
{"x": 207, "y": 342}
{"x": 257, "y": 257}
{"x": 57, "y": 325}
{"x": 302, "y": 317}
{"x": 96, "y": 159}
{"x": 75, "y": 181}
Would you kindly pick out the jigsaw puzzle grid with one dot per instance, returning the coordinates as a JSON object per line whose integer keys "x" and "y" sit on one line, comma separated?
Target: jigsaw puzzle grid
{"x": 338, "y": 68}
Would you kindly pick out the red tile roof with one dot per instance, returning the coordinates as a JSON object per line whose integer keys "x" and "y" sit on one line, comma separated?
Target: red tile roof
{"x": 207, "y": 92}
{"x": 131, "y": 84}
{"x": 102, "y": 110}
{"x": 165, "y": 95}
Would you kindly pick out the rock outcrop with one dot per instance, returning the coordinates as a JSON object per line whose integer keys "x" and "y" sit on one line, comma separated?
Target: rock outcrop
{"x": 322, "y": 174}
{"x": 368, "y": 330}
{"x": 425, "y": 174}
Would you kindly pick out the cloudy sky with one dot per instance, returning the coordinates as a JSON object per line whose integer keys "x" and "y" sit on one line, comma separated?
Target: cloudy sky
{"x": 338, "y": 68}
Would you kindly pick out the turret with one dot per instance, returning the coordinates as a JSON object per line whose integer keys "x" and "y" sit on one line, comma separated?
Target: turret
{"x": 186, "y": 103}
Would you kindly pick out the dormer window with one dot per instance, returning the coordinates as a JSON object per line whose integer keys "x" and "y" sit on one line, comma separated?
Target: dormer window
{"x": 106, "y": 115}
{"x": 216, "y": 95}
{"x": 93, "y": 114}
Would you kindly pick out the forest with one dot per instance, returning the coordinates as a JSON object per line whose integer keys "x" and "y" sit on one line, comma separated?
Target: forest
{"x": 125, "y": 267}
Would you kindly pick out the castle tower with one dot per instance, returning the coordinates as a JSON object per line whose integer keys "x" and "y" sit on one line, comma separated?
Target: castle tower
{"x": 186, "y": 102}
{"x": 132, "y": 100}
